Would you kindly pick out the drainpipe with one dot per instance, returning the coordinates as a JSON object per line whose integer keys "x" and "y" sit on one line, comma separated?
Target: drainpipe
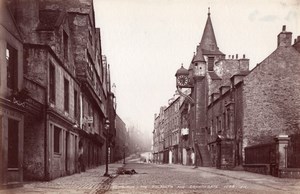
{"x": 46, "y": 146}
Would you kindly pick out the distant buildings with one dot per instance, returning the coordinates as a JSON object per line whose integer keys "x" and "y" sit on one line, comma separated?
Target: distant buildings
{"x": 55, "y": 91}
{"x": 235, "y": 108}
{"x": 121, "y": 140}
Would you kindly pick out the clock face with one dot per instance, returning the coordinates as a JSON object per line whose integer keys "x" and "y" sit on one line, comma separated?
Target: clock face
{"x": 182, "y": 80}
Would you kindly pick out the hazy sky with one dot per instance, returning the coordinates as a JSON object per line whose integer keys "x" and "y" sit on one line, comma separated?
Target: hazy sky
{"x": 146, "y": 41}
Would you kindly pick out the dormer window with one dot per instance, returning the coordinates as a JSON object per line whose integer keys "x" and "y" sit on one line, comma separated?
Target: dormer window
{"x": 211, "y": 63}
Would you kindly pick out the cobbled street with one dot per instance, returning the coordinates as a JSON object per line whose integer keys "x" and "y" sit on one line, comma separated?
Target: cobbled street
{"x": 158, "y": 178}
{"x": 153, "y": 178}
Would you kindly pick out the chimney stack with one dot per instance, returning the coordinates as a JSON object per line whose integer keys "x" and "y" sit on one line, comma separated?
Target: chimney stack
{"x": 283, "y": 28}
{"x": 284, "y": 38}
{"x": 244, "y": 64}
{"x": 236, "y": 56}
{"x": 297, "y": 44}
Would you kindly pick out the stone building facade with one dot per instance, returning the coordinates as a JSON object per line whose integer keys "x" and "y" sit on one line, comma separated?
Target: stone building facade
{"x": 121, "y": 140}
{"x": 155, "y": 137}
{"x": 12, "y": 97}
{"x": 159, "y": 136}
{"x": 271, "y": 94}
{"x": 68, "y": 87}
{"x": 171, "y": 131}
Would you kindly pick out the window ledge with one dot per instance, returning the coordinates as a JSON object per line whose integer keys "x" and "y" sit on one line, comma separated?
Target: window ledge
{"x": 13, "y": 169}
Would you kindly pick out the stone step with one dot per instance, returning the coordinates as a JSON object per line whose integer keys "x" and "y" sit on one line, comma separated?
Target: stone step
{"x": 206, "y": 161}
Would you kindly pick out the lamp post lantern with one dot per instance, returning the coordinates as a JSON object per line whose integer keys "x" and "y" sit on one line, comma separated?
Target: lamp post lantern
{"x": 106, "y": 126}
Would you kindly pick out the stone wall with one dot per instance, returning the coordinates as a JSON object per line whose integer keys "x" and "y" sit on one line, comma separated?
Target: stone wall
{"x": 34, "y": 145}
{"x": 271, "y": 97}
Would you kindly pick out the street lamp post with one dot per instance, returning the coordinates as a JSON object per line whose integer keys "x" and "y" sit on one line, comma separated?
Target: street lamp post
{"x": 106, "y": 126}
{"x": 124, "y": 147}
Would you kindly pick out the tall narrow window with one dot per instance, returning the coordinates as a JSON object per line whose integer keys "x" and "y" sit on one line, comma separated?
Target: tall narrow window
{"x": 56, "y": 142}
{"x": 13, "y": 144}
{"x": 216, "y": 124}
{"x": 90, "y": 38}
{"x": 66, "y": 45}
{"x": 75, "y": 104}
{"x": 12, "y": 67}
{"x": 228, "y": 120}
{"x": 66, "y": 95}
{"x": 224, "y": 122}
{"x": 52, "y": 83}
{"x": 211, "y": 63}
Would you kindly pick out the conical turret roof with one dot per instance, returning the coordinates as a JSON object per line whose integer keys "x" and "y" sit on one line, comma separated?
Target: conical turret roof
{"x": 199, "y": 56}
{"x": 208, "y": 41}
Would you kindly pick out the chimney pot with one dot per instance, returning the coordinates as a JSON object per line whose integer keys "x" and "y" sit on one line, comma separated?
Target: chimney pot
{"x": 236, "y": 56}
{"x": 298, "y": 38}
{"x": 232, "y": 56}
{"x": 244, "y": 56}
{"x": 283, "y": 28}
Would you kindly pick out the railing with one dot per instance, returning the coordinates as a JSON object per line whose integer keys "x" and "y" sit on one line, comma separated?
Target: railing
{"x": 261, "y": 154}
{"x": 261, "y": 159}
{"x": 293, "y": 151}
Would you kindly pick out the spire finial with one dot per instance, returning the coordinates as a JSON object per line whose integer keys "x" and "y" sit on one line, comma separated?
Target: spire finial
{"x": 208, "y": 11}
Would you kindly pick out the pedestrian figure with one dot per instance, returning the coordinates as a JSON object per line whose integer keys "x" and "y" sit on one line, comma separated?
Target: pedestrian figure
{"x": 80, "y": 158}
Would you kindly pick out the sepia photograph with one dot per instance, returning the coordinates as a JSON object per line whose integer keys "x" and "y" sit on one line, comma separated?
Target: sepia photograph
{"x": 149, "y": 96}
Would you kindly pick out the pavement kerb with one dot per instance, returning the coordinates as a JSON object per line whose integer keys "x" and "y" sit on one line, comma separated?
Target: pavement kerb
{"x": 207, "y": 169}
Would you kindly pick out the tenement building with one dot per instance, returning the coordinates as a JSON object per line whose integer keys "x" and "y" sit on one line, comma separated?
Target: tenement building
{"x": 158, "y": 136}
{"x": 12, "y": 95}
{"x": 171, "y": 131}
{"x": 55, "y": 90}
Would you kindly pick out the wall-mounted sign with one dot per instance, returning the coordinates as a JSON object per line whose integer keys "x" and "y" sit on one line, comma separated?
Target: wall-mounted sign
{"x": 184, "y": 131}
{"x": 88, "y": 120}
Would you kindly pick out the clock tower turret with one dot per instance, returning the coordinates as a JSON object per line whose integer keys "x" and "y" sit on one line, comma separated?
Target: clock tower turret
{"x": 199, "y": 64}
{"x": 182, "y": 77}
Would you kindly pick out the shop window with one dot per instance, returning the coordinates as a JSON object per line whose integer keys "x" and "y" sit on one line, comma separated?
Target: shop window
{"x": 13, "y": 144}
{"x": 12, "y": 67}
{"x": 56, "y": 143}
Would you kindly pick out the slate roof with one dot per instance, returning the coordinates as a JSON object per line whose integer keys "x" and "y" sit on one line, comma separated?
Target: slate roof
{"x": 199, "y": 56}
{"x": 214, "y": 76}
